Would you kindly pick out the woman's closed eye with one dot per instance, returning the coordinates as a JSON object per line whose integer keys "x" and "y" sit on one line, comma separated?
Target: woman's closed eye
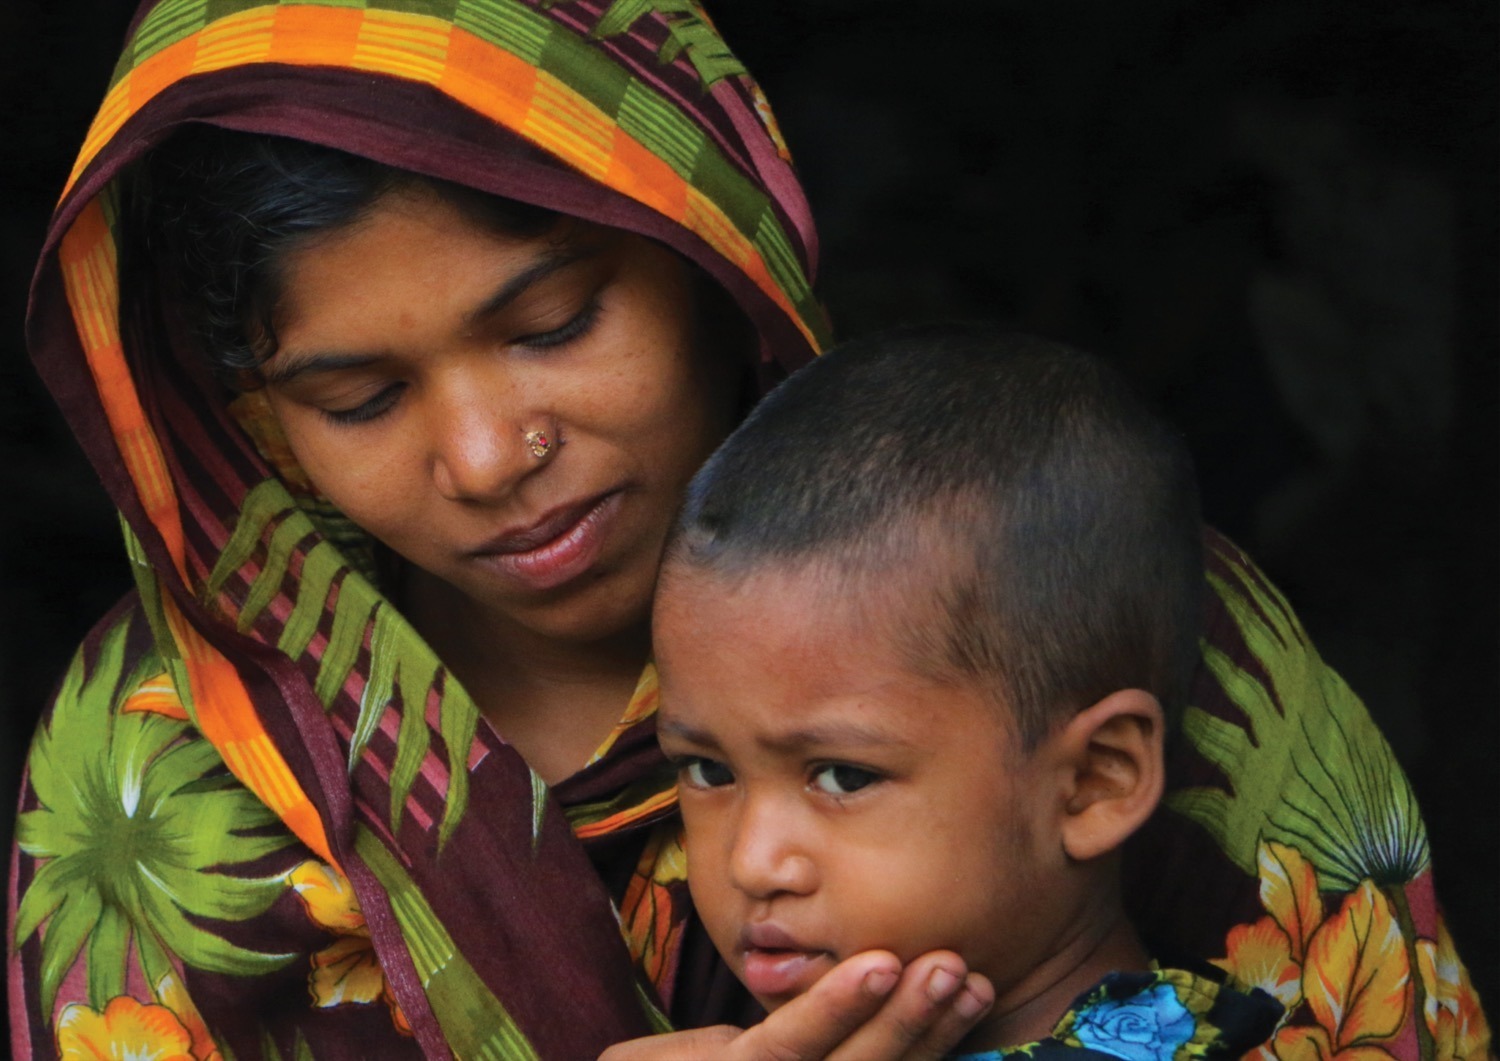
{"x": 579, "y": 325}
{"x": 699, "y": 772}
{"x": 841, "y": 779}
{"x": 370, "y": 409}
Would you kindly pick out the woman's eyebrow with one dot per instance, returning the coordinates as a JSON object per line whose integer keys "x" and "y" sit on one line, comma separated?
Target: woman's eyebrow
{"x": 555, "y": 258}
{"x": 278, "y": 372}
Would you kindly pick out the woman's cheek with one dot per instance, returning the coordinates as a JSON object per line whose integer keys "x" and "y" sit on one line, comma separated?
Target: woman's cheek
{"x": 356, "y": 476}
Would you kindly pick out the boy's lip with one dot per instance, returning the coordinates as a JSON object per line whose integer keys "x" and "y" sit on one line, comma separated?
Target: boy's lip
{"x": 776, "y": 966}
{"x": 765, "y": 935}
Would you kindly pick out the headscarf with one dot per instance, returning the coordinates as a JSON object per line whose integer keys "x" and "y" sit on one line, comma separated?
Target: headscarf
{"x": 252, "y": 820}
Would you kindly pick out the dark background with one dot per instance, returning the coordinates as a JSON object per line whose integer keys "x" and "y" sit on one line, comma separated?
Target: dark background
{"x": 1280, "y": 218}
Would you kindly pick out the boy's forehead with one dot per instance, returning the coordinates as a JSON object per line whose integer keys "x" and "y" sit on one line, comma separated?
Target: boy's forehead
{"x": 818, "y": 588}
{"x": 899, "y": 611}
{"x": 796, "y": 664}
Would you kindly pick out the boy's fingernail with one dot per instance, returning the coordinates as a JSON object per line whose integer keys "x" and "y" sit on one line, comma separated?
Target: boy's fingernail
{"x": 879, "y": 982}
{"x": 969, "y": 1005}
{"x": 941, "y": 984}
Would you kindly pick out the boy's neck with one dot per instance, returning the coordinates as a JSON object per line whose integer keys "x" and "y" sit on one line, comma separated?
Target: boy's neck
{"x": 1029, "y": 1009}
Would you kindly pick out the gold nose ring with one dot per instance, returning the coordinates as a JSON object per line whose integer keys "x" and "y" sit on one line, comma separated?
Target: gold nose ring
{"x": 539, "y": 443}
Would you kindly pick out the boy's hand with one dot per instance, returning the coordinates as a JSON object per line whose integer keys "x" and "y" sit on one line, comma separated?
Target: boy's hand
{"x": 865, "y": 1009}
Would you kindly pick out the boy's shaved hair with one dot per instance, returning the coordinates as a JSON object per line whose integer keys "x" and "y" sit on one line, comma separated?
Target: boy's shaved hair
{"x": 1051, "y": 516}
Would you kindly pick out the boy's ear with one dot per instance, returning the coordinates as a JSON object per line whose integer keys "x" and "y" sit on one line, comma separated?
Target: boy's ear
{"x": 1113, "y": 755}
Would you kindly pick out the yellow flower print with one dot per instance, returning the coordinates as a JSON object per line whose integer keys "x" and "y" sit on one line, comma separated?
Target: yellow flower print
{"x": 651, "y": 927}
{"x": 1268, "y": 954}
{"x": 671, "y": 860}
{"x": 170, "y": 1029}
{"x": 1356, "y": 977}
{"x": 1351, "y": 967}
{"x": 125, "y": 1029}
{"x": 398, "y": 1018}
{"x": 329, "y": 898}
{"x": 1289, "y": 892}
{"x": 1260, "y": 955}
{"x": 1314, "y": 1044}
{"x": 346, "y": 971}
{"x": 1452, "y": 1009}
{"x": 171, "y": 993}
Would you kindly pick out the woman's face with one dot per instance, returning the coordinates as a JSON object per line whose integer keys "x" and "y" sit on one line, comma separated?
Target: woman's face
{"x": 416, "y": 351}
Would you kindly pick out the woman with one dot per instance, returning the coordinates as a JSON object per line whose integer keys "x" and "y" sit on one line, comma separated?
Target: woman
{"x": 264, "y": 815}
{"x": 396, "y": 430}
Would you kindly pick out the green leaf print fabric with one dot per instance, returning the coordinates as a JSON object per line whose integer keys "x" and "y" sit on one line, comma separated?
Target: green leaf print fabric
{"x": 1290, "y": 850}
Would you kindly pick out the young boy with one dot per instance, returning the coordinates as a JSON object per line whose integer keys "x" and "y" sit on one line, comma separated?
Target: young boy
{"x": 921, "y": 629}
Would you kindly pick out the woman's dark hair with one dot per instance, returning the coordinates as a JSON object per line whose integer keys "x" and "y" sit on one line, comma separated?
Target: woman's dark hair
{"x": 215, "y": 212}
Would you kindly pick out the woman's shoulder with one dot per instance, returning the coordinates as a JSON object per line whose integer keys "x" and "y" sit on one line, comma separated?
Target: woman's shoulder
{"x": 155, "y": 896}
{"x": 114, "y": 653}
{"x": 1291, "y": 850}
{"x": 1307, "y": 765}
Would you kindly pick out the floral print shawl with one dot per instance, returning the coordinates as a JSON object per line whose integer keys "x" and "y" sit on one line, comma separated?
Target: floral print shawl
{"x": 1153, "y": 1016}
{"x": 260, "y": 820}
{"x": 1290, "y": 850}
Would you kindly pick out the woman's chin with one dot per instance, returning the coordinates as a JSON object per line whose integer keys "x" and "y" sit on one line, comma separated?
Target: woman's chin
{"x": 604, "y": 606}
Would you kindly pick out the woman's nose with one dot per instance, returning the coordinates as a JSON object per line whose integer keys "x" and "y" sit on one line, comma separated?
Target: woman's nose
{"x": 479, "y": 447}
{"x": 770, "y": 855}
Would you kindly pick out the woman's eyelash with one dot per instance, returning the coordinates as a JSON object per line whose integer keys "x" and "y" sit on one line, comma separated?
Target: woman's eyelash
{"x": 578, "y": 326}
{"x": 377, "y": 406}
{"x": 366, "y": 411}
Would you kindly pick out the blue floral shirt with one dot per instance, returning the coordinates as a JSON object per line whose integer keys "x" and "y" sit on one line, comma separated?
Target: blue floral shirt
{"x": 1160, "y": 1015}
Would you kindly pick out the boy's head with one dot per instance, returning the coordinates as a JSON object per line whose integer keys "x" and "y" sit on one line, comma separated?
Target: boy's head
{"x": 917, "y": 629}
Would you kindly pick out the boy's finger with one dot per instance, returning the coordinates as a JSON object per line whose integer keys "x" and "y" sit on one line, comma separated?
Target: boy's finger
{"x": 927, "y": 1015}
{"x": 969, "y": 1006}
{"x": 678, "y": 1046}
{"x": 812, "y": 1026}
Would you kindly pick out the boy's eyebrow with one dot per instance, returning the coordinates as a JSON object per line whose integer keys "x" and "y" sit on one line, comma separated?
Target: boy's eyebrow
{"x": 555, "y": 258}
{"x": 832, "y": 734}
{"x": 689, "y": 733}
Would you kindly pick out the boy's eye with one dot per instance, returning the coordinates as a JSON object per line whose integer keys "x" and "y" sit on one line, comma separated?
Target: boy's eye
{"x": 704, "y": 773}
{"x": 841, "y": 779}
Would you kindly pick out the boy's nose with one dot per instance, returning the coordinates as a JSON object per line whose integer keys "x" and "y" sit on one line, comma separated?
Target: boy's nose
{"x": 768, "y": 856}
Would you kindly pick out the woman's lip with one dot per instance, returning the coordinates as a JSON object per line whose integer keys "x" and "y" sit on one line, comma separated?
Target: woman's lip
{"x": 558, "y": 548}
{"x": 549, "y": 527}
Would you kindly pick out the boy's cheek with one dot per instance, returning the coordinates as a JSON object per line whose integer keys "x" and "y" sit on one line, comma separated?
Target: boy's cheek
{"x": 703, "y": 869}
{"x": 714, "y": 903}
